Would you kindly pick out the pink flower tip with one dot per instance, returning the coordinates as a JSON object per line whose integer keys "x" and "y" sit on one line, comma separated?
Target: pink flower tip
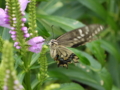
{"x": 27, "y": 35}
{"x": 5, "y": 88}
{"x": 12, "y": 28}
{"x": 12, "y": 32}
{"x": 16, "y": 82}
{"x": 24, "y": 28}
{"x": 26, "y": 32}
{"x": 24, "y": 19}
{"x": 13, "y": 18}
{"x": 15, "y": 44}
{"x": 13, "y": 36}
{"x": 18, "y": 47}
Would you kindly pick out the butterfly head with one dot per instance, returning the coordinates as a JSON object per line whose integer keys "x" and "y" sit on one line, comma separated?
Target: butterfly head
{"x": 53, "y": 42}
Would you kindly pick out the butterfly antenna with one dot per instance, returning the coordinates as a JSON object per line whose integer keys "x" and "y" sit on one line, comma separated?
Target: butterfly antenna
{"x": 52, "y": 31}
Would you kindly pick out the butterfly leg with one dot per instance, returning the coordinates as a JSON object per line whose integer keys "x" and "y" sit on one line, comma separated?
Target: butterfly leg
{"x": 56, "y": 58}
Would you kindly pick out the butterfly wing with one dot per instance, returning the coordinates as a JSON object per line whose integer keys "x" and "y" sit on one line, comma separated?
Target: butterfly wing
{"x": 79, "y": 36}
{"x": 74, "y": 38}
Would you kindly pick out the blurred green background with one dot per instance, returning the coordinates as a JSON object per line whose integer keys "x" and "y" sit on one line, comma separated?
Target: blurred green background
{"x": 103, "y": 54}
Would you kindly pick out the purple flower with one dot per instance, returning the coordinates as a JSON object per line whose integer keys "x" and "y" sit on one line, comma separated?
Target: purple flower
{"x": 26, "y": 35}
{"x": 4, "y": 18}
{"x": 24, "y": 19}
{"x": 36, "y": 44}
{"x": 36, "y": 48}
{"x": 15, "y": 44}
{"x": 36, "y": 40}
{"x": 23, "y": 4}
{"x": 24, "y": 28}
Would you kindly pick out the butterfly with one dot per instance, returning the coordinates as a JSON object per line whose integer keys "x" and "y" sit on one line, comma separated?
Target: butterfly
{"x": 58, "y": 47}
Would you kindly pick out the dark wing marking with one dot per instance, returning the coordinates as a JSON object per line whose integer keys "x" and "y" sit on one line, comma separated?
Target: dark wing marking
{"x": 65, "y": 56}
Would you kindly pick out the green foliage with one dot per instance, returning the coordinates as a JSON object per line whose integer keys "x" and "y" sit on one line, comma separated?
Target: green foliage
{"x": 66, "y": 86}
{"x": 100, "y": 54}
{"x": 7, "y": 66}
{"x": 99, "y": 67}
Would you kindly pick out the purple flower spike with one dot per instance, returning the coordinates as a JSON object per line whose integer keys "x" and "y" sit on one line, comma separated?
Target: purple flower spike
{"x": 4, "y": 18}
{"x": 36, "y": 40}
{"x": 36, "y": 44}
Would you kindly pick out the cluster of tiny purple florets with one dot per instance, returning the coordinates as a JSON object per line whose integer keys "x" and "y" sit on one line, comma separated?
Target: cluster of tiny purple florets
{"x": 35, "y": 44}
{"x": 13, "y": 28}
{"x": 17, "y": 85}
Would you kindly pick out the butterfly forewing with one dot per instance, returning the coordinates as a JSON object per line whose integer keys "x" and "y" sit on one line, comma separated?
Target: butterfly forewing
{"x": 79, "y": 36}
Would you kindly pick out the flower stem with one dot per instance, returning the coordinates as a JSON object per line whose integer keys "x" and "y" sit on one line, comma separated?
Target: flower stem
{"x": 43, "y": 67}
{"x": 28, "y": 80}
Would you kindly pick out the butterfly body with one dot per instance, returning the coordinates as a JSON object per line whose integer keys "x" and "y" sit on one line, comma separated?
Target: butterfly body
{"x": 61, "y": 54}
{"x": 74, "y": 38}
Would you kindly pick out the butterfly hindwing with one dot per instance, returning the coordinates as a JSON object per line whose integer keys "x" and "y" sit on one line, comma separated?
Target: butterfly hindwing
{"x": 65, "y": 56}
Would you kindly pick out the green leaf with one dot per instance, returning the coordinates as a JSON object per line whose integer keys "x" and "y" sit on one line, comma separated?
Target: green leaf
{"x": 87, "y": 59}
{"x": 5, "y": 34}
{"x": 58, "y": 75}
{"x": 111, "y": 49}
{"x": 115, "y": 88}
{"x": 114, "y": 69}
{"x": 98, "y": 80}
{"x": 34, "y": 83}
{"x": 51, "y": 28}
{"x": 65, "y": 23}
{"x": 42, "y": 30}
{"x": 95, "y": 48}
{"x": 2, "y": 4}
{"x": 50, "y": 6}
{"x": 21, "y": 76}
{"x": 96, "y": 7}
{"x": 82, "y": 58}
{"x": 34, "y": 58}
{"x": 71, "y": 10}
{"x": 70, "y": 86}
{"x": 105, "y": 77}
